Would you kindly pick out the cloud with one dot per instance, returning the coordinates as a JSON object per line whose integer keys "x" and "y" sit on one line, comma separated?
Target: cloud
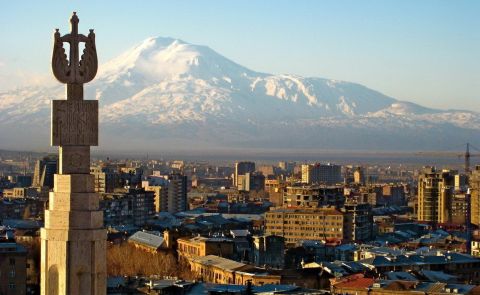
{"x": 13, "y": 79}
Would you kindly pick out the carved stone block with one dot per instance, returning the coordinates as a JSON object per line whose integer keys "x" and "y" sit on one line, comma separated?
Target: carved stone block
{"x": 74, "y": 122}
{"x": 73, "y": 201}
{"x": 74, "y": 183}
{"x": 74, "y": 159}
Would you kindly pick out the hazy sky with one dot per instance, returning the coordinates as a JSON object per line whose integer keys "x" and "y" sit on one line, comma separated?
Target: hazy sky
{"x": 424, "y": 51}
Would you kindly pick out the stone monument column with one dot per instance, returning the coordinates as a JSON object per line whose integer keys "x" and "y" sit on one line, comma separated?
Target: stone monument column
{"x": 73, "y": 241}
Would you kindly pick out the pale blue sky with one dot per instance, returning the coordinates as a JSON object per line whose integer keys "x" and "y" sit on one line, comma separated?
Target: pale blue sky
{"x": 424, "y": 51}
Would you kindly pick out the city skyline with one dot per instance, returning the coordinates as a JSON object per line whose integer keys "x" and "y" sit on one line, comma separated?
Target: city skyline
{"x": 425, "y": 56}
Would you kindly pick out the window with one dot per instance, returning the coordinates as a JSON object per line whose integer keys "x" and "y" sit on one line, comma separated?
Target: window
{"x": 12, "y": 261}
{"x": 11, "y": 286}
{"x": 12, "y": 273}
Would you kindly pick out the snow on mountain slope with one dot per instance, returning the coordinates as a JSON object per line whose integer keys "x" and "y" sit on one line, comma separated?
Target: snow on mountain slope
{"x": 169, "y": 89}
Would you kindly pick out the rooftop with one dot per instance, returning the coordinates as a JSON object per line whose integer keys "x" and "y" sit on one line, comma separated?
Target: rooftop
{"x": 219, "y": 262}
{"x": 147, "y": 239}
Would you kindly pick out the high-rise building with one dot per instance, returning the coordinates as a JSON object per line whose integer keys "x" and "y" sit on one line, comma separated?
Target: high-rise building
{"x": 435, "y": 193}
{"x": 176, "y": 193}
{"x": 242, "y": 168}
{"x": 170, "y": 192}
{"x": 321, "y": 173}
{"x": 44, "y": 171}
{"x": 474, "y": 183}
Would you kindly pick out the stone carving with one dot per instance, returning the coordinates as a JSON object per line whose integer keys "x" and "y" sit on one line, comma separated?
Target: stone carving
{"x": 77, "y": 70}
{"x": 74, "y": 122}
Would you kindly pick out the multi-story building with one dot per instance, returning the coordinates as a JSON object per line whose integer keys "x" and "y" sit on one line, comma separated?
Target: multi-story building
{"x": 268, "y": 251}
{"x": 202, "y": 246}
{"x": 176, "y": 194}
{"x": 321, "y": 173}
{"x": 313, "y": 196}
{"x": 44, "y": 171}
{"x": 458, "y": 208}
{"x": 170, "y": 192}
{"x": 435, "y": 192}
{"x": 13, "y": 269}
{"x": 304, "y": 224}
{"x": 275, "y": 189}
{"x": 242, "y": 168}
{"x": 358, "y": 222}
{"x": 106, "y": 179}
{"x": 219, "y": 270}
{"x": 128, "y": 207}
{"x": 392, "y": 195}
{"x": 250, "y": 181}
{"x": 160, "y": 196}
{"x": 474, "y": 183}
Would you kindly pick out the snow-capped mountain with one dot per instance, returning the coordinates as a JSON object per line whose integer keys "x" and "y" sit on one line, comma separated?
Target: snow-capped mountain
{"x": 166, "y": 93}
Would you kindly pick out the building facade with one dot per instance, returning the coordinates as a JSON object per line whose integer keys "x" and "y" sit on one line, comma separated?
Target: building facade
{"x": 304, "y": 224}
{"x": 130, "y": 207}
{"x": 358, "y": 222}
{"x": 435, "y": 193}
{"x": 321, "y": 173}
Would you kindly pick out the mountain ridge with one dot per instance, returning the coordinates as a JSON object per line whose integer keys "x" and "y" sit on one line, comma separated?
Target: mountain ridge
{"x": 165, "y": 91}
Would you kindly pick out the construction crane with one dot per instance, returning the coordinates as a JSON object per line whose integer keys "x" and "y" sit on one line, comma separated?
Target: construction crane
{"x": 467, "y": 155}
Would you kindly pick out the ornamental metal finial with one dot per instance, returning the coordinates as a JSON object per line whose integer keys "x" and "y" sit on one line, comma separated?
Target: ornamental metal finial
{"x": 75, "y": 70}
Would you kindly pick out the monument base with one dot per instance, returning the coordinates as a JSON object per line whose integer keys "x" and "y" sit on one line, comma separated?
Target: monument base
{"x": 72, "y": 256}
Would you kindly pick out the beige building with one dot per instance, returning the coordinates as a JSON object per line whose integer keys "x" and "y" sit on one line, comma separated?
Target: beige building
{"x": 304, "y": 224}
{"x": 202, "y": 246}
{"x": 218, "y": 270}
{"x": 160, "y": 196}
{"x": 475, "y": 195}
{"x": 435, "y": 194}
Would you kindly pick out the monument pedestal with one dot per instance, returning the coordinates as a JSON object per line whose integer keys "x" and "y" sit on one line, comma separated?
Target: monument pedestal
{"x": 73, "y": 240}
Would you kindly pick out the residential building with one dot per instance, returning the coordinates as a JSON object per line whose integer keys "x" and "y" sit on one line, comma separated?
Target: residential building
{"x": 242, "y": 168}
{"x": 176, "y": 194}
{"x": 321, "y": 173}
{"x": 250, "y": 181}
{"x": 304, "y": 224}
{"x": 268, "y": 251}
{"x": 435, "y": 191}
{"x": 358, "y": 222}
{"x": 128, "y": 207}
{"x": 474, "y": 182}
{"x": 13, "y": 269}
{"x": 313, "y": 196}
{"x": 106, "y": 179}
{"x": 202, "y": 246}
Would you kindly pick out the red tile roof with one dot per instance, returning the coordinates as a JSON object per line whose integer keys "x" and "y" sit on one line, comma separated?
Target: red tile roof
{"x": 355, "y": 281}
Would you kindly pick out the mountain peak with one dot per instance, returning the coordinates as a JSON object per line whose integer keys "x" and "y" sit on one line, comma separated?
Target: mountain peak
{"x": 159, "y": 58}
